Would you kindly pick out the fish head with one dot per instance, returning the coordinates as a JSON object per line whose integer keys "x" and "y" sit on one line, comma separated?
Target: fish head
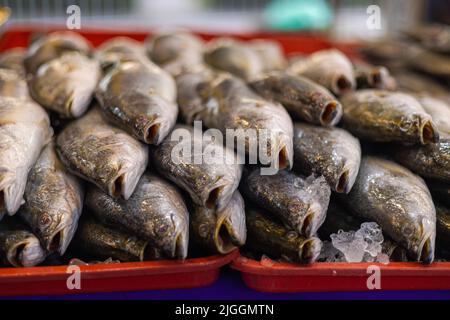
{"x": 56, "y": 231}
{"x": 420, "y": 235}
{"x": 26, "y": 251}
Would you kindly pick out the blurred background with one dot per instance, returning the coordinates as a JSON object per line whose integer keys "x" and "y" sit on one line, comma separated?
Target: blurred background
{"x": 342, "y": 19}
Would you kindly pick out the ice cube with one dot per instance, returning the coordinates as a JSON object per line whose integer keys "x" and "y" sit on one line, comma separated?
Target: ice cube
{"x": 373, "y": 236}
{"x": 329, "y": 253}
{"x": 351, "y": 244}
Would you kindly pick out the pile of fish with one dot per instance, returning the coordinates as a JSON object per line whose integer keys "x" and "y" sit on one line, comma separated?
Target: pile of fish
{"x": 90, "y": 169}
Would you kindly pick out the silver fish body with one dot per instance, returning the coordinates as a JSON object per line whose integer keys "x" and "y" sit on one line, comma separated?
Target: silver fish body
{"x": 399, "y": 201}
{"x": 220, "y": 231}
{"x": 13, "y": 84}
{"x": 155, "y": 212}
{"x": 300, "y": 203}
{"x": 331, "y": 152}
{"x": 53, "y": 201}
{"x": 119, "y": 49}
{"x": 24, "y": 131}
{"x": 13, "y": 59}
{"x": 102, "y": 154}
{"x": 204, "y": 168}
{"x": 140, "y": 98}
{"x": 270, "y": 53}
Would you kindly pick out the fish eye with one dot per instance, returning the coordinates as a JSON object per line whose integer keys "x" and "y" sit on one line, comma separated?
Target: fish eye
{"x": 45, "y": 220}
{"x": 408, "y": 230}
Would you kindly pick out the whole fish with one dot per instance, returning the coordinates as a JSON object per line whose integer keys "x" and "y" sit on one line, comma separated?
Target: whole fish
{"x": 393, "y": 54}
{"x": 234, "y": 57}
{"x": 267, "y": 236}
{"x": 399, "y": 202}
{"x": 13, "y": 84}
{"x": 18, "y": 246}
{"x": 189, "y": 98}
{"x": 383, "y": 116}
{"x": 24, "y": 131}
{"x": 52, "y": 46}
{"x": 53, "y": 201}
{"x": 331, "y": 152}
{"x": 300, "y": 203}
{"x": 102, "y": 154}
{"x": 254, "y": 121}
{"x": 338, "y": 218}
{"x": 155, "y": 212}
{"x": 13, "y": 59}
{"x": 101, "y": 242}
{"x": 204, "y": 168}
{"x": 66, "y": 84}
{"x": 329, "y": 68}
{"x": 140, "y": 98}
{"x": 302, "y": 98}
{"x": 175, "y": 52}
{"x": 440, "y": 190}
{"x": 119, "y": 49}
{"x": 442, "y": 230}
{"x": 373, "y": 76}
{"x": 439, "y": 110}
{"x": 270, "y": 53}
{"x": 220, "y": 231}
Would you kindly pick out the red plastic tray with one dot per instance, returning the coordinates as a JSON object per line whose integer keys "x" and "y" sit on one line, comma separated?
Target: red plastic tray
{"x": 115, "y": 277}
{"x": 327, "y": 277}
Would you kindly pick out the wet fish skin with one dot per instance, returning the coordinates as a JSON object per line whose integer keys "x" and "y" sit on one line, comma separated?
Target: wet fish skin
{"x": 399, "y": 201}
{"x": 331, "y": 152}
{"x": 301, "y": 203}
{"x": 175, "y": 52}
{"x": 12, "y": 59}
{"x": 302, "y": 98}
{"x": 24, "y": 131}
{"x": 102, "y": 154}
{"x": 66, "y": 84}
{"x": 140, "y": 98}
{"x": 210, "y": 183}
{"x": 53, "y": 201}
{"x": 53, "y": 45}
{"x": 434, "y": 64}
{"x": 439, "y": 110}
{"x": 117, "y": 50}
{"x": 435, "y": 37}
{"x": 270, "y": 53}
{"x": 385, "y": 116}
{"x": 329, "y": 68}
{"x": 18, "y": 246}
{"x": 234, "y": 57}
{"x": 268, "y": 236}
{"x": 102, "y": 242}
{"x": 12, "y": 84}
{"x": 155, "y": 212}
{"x": 231, "y": 104}
{"x": 220, "y": 231}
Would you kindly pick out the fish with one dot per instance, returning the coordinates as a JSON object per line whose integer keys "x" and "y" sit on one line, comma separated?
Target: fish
{"x": 435, "y": 37}
{"x": 339, "y": 218}
{"x": 18, "y": 246}
{"x": 66, "y": 84}
{"x": 53, "y": 45}
{"x": 235, "y": 57}
{"x": 442, "y": 230}
{"x": 302, "y": 98}
{"x": 385, "y": 116}
{"x": 102, "y": 154}
{"x": 140, "y": 98}
{"x": 439, "y": 110}
{"x": 434, "y": 64}
{"x": 300, "y": 203}
{"x": 268, "y": 236}
{"x": 399, "y": 201}
{"x": 201, "y": 166}
{"x": 220, "y": 231}
{"x": 328, "y": 151}
{"x": 24, "y": 131}
{"x": 189, "y": 99}
{"x": 175, "y": 52}
{"x": 117, "y": 50}
{"x": 253, "y": 121}
{"x": 440, "y": 190}
{"x": 13, "y": 84}
{"x": 373, "y": 77}
{"x": 329, "y": 68}
{"x": 155, "y": 212}
{"x": 102, "y": 242}
{"x": 392, "y": 54}
{"x": 270, "y": 53}
{"x": 12, "y": 59}
{"x": 53, "y": 201}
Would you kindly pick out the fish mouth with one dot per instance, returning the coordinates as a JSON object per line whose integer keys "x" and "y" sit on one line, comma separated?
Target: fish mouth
{"x": 429, "y": 133}
{"x": 313, "y": 220}
{"x": 283, "y": 158}
{"x": 78, "y": 103}
{"x": 342, "y": 185}
{"x": 341, "y": 84}
{"x": 181, "y": 246}
{"x": 26, "y": 253}
{"x": 2, "y": 203}
{"x": 125, "y": 183}
{"x": 331, "y": 114}
{"x": 57, "y": 242}
{"x": 212, "y": 202}
{"x": 226, "y": 238}
{"x": 152, "y": 134}
{"x": 377, "y": 76}
{"x": 426, "y": 252}
{"x": 309, "y": 250}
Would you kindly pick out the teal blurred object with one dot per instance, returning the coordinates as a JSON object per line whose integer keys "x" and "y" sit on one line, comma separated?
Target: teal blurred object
{"x": 289, "y": 15}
